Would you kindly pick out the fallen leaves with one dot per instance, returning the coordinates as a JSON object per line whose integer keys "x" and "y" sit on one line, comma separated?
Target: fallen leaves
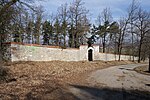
{"x": 46, "y": 80}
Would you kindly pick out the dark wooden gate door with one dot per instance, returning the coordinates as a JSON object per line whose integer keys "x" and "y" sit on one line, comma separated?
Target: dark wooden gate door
{"x": 90, "y": 55}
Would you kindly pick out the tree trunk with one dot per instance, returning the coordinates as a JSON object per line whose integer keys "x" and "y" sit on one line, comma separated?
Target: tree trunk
{"x": 64, "y": 41}
{"x": 20, "y": 38}
{"x": 139, "y": 60}
{"x": 64, "y": 37}
{"x": 104, "y": 43}
{"x": 115, "y": 48}
{"x": 32, "y": 39}
{"x": 132, "y": 44}
{"x": 38, "y": 39}
{"x": 57, "y": 40}
{"x": 120, "y": 49}
{"x": 75, "y": 42}
{"x": 149, "y": 64}
{"x": 72, "y": 40}
{"x": 0, "y": 46}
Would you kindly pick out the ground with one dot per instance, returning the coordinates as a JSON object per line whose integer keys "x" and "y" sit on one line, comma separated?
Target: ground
{"x": 115, "y": 83}
{"x": 58, "y": 80}
{"x": 142, "y": 69}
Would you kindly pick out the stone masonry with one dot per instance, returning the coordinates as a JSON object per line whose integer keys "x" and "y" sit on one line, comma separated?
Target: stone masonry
{"x": 34, "y": 52}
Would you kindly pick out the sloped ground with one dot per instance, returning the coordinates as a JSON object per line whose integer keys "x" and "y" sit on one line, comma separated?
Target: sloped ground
{"x": 143, "y": 70}
{"x": 45, "y": 80}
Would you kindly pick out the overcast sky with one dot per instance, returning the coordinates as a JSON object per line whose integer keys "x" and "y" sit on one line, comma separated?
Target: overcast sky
{"x": 118, "y": 7}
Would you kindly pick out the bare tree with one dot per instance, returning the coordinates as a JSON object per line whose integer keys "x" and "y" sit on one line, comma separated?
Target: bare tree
{"x": 30, "y": 30}
{"x": 63, "y": 16}
{"x": 77, "y": 16}
{"x": 143, "y": 27}
{"x": 121, "y": 36}
{"x": 105, "y": 18}
{"x": 38, "y": 23}
{"x": 6, "y": 4}
{"x": 125, "y": 24}
{"x": 146, "y": 48}
{"x": 132, "y": 10}
{"x": 12, "y": 20}
{"x": 57, "y": 31}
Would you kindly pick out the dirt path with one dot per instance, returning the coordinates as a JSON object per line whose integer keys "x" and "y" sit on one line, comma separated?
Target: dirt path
{"x": 114, "y": 83}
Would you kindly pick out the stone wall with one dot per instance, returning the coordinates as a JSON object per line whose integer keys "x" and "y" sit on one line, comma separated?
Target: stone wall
{"x": 111, "y": 57}
{"x": 37, "y": 53}
{"x": 32, "y": 52}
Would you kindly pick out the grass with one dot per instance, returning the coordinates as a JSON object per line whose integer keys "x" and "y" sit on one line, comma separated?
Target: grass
{"x": 32, "y": 80}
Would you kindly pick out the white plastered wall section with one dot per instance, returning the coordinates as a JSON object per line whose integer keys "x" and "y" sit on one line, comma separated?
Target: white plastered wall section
{"x": 84, "y": 52}
{"x": 35, "y": 53}
{"x": 93, "y": 52}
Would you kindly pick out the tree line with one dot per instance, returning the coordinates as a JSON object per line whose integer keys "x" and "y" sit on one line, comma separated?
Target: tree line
{"x": 29, "y": 26}
{"x": 69, "y": 27}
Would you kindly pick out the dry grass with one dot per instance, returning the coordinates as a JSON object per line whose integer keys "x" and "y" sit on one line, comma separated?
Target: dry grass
{"x": 47, "y": 80}
{"x": 142, "y": 70}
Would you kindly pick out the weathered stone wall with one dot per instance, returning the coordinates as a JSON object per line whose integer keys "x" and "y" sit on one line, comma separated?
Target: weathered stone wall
{"x": 84, "y": 52}
{"x": 111, "y": 57}
{"x": 35, "y": 53}
{"x": 32, "y": 52}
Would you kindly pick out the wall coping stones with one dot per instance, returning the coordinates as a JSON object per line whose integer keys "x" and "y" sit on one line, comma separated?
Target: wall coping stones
{"x": 37, "y": 45}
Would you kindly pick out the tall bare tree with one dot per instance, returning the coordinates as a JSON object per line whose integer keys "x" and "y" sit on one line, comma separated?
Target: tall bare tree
{"x": 77, "y": 15}
{"x": 143, "y": 27}
{"x": 132, "y": 10}
{"x": 8, "y": 19}
{"x": 105, "y": 19}
{"x": 38, "y": 23}
{"x": 63, "y": 16}
{"x": 121, "y": 36}
{"x": 57, "y": 30}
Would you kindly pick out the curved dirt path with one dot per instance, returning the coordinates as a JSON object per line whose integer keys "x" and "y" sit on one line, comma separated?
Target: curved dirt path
{"x": 114, "y": 83}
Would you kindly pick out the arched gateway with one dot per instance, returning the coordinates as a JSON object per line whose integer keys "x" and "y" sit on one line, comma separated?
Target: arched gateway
{"x": 90, "y": 52}
{"x": 90, "y": 55}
